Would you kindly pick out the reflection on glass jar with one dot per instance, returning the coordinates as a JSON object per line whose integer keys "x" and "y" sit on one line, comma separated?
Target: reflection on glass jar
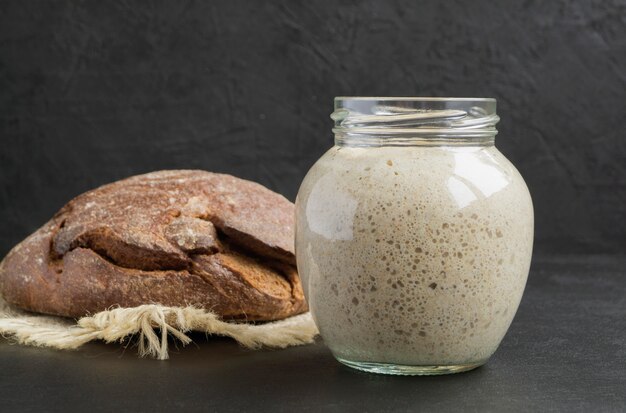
{"x": 414, "y": 235}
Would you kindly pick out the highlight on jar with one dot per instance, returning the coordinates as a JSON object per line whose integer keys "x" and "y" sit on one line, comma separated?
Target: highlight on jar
{"x": 414, "y": 235}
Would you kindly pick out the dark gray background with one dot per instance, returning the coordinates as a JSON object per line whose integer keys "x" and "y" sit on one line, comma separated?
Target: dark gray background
{"x": 94, "y": 91}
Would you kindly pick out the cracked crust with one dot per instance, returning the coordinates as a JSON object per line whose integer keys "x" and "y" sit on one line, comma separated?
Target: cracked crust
{"x": 171, "y": 237}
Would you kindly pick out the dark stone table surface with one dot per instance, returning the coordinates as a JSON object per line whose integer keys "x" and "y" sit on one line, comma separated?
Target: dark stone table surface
{"x": 565, "y": 351}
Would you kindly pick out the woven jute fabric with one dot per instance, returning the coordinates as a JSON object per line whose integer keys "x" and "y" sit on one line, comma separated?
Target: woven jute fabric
{"x": 151, "y": 325}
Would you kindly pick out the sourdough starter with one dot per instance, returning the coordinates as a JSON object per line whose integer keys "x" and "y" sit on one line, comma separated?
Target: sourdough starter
{"x": 414, "y": 255}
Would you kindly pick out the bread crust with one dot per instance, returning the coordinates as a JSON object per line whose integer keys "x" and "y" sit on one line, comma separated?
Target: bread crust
{"x": 177, "y": 238}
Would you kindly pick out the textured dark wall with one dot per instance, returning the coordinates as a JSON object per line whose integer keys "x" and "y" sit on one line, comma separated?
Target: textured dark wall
{"x": 93, "y": 91}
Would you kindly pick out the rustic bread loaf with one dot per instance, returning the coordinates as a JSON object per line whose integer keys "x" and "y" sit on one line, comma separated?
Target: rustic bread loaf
{"x": 171, "y": 237}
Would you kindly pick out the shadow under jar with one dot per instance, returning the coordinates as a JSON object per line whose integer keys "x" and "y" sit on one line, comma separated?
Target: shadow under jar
{"x": 414, "y": 235}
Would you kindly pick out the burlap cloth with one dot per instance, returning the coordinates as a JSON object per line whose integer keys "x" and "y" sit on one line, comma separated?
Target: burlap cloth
{"x": 150, "y": 325}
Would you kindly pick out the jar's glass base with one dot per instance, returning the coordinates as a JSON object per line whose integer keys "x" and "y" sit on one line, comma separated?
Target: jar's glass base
{"x": 405, "y": 370}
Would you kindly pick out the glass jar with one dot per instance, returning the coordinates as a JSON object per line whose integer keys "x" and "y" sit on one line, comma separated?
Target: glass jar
{"x": 414, "y": 235}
